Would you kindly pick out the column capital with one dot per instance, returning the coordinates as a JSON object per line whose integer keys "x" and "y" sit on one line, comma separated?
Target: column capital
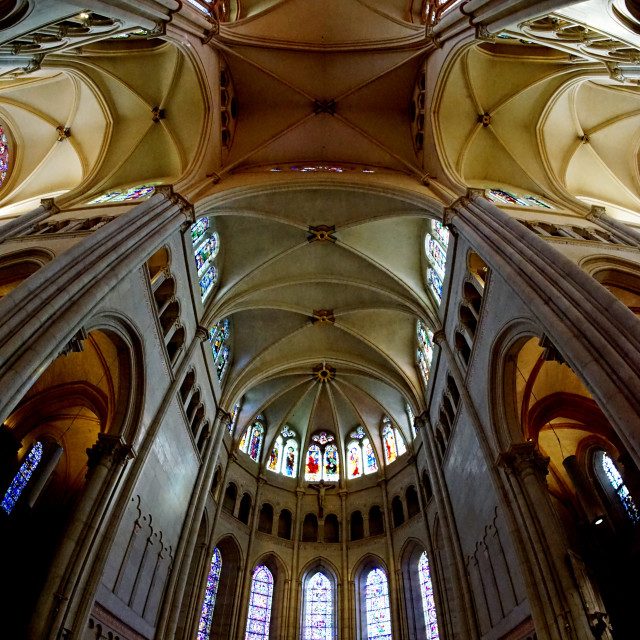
{"x": 202, "y": 334}
{"x": 439, "y": 336}
{"x": 596, "y": 213}
{"x": 223, "y": 416}
{"x": 175, "y": 198}
{"x": 49, "y": 205}
{"x": 422, "y": 421}
{"x": 108, "y": 450}
{"x": 523, "y": 458}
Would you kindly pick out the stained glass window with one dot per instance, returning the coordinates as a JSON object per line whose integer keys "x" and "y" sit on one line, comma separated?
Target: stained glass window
{"x": 290, "y": 460}
{"x": 620, "y": 488}
{"x": 4, "y": 156}
{"x": 218, "y": 336}
{"x": 234, "y": 418}
{"x": 313, "y": 468}
{"x": 210, "y": 596}
{"x": 275, "y": 459}
{"x": 389, "y": 442}
{"x": 370, "y": 463}
{"x": 244, "y": 442}
{"x": 358, "y": 434}
{"x": 206, "y": 253}
{"x": 199, "y": 229}
{"x": 401, "y": 447}
{"x": 135, "y": 193}
{"x": 354, "y": 459}
{"x": 412, "y": 420}
{"x": 222, "y": 363}
{"x": 259, "y": 616}
{"x": 436, "y": 253}
{"x": 500, "y": 196}
{"x": 331, "y": 466}
{"x": 322, "y": 438}
{"x": 441, "y": 232}
{"x": 378, "y": 611}
{"x": 255, "y": 444}
{"x": 207, "y": 281}
{"x": 425, "y": 350}
{"x": 435, "y": 283}
{"x": 428, "y": 601}
{"x": 22, "y": 477}
{"x": 318, "y": 610}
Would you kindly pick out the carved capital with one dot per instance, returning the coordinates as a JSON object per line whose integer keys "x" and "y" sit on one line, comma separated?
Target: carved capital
{"x": 448, "y": 216}
{"x": 175, "y": 198}
{"x": 75, "y": 344}
{"x": 222, "y": 416}
{"x": 109, "y": 450}
{"x": 524, "y": 458}
{"x": 483, "y": 33}
{"x": 49, "y": 205}
{"x": 439, "y": 336}
{"x": 596, "y": 213}
{"x": 202, "y": 333}
{"x": 421, "y": 421}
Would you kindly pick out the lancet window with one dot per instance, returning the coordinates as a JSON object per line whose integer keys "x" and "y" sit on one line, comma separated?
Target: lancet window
{"x": 425, "y": 350}
{"x": 251, "y": 442}
{"x": 234, "y": 418}
{"x": 284, "y": 455}
{"x": 377, "y": 603}
{"x": 322, "y": 462}
{"x": 412, "y": 420}
{"x": 428, "y": 601}
{"x": 219, "y": 337}
{"x": 259, "y": 616}
{"x": 500, "y": 196}
{"x": 620, "y": 488}
{"x": 318, "y": 609}
{"x": 392, "y": 441}
{"x": 361, "y": 457}
{"x": 206, "y": 244}
{"x": 21, "y": 478}
{"x": 435, "y": 245}
{"x": 204, "y": 628}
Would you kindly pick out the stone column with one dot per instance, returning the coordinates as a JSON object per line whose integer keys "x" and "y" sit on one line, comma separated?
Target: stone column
{"x": 345, "y": 622}
{"x": 295, "y": 586}
{"x": 22, "y": 225}
{"x": 66, "y": 578}
{"x": 619, "y": 230}
{"x": 564, "y": 615}
{"x": 591, "y": 504}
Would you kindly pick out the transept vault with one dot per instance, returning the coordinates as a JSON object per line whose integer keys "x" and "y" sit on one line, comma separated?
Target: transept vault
{"x": 320, "y": 319}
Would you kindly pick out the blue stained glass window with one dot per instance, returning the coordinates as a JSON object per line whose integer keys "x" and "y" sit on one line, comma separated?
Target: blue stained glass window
{"x": 206, "y": 252}
{"x": 614, "y": 477}
{"x": 22, "y": 477}
{"x": 359, "y": 433}
{"x": 255, "y": 444}
{"x": 370, "y": 464}
{"x": 290, "y": 460}
{"x": 259, "y": 616}
{"x": 135, "y": 193}
{"x": 331, "y": 465}
{"x": 378, "y": 611}
{"x": 4, "y": 156}
{"x": 435, "y": 283}
{"x": 442, "y": 233}
{"x": 222, "y": 363}
{"x": 207, "y": 281}
{"x": 210, "y": 596}
{"x": 318, "y": 610}
{"x": 436, "y": 253}
{"x": 217, "y": 336}
{"x": 428, "y": 601}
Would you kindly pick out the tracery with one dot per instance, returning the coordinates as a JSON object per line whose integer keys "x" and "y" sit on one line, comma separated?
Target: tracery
{"x": 322, "y": 462}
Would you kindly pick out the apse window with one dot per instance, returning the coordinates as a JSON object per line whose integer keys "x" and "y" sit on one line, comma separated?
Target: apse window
{"x": 318, "y": 608}
{"x": 393, "y": 443}
{"x": 620, "y": 488}
{"x": 259, "y": 616}
{"x": 428, "y": 600}
{"x": 251, "y": 442}
{"x": 322, "y": 459}
{"x": 377, "y": 602}
{"x": 436, "y": 243}
{"x": 206, "y": 244}
{"x": 284, "y": 455}
{"x": 233, "y": 418}
{"x": 361, "y": 458}
{"x": 219, "y": 337}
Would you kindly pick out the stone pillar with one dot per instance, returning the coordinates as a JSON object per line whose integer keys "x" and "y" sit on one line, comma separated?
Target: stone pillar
{"x": 66, "y": 578}
{"x": 562, "y": 610}
{"x": 295, "y": 587}
{"x": 619, "y": 230}
{"x": 591, "y": 504}
{"x": 345, "y": 622}
{"x": 23, "y": 224}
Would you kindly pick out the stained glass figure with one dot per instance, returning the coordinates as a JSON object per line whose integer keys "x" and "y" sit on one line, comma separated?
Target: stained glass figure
{"x": 389, "y": 442}
{"x": 222, "y": 363}
{"x": 275, "y": 459}
{"x": 358, "y": 434}
{"x": 259, "y": 616}
{"x": 412, "y": 420}
{"x": 318, "y": 609}
{"x": 313, "y": 469}
{"x": 428, "y": 601}
{"x": 4, "y": 156}
{"x": 401, "y": 447}
{"x": 423, "y": 365}
{"x": 206, "y": 253}
{"x": 218, "y": 336}
{"x": 290, "y": 460}
{"x": 207, "y": 281}
{"x": 435, "y": 283}
{"x": 255, "y": 444}
{"x": 442, "y": 233}
{"x": 505, "y": 197}
{"x": 331, "y": 467}
{"x": 244, "y": 442}
{"x": 378, "y": 610}
{"x": 21, "y": 478}
{"x": 620, "y": 488}
{"x": 199, "y": 229}
{"x": 204, "y": 627}
{"x": 425, "y": 341}
{"x": 322, "y": 438}
{"x": 354, "y": 459}
{"x": 287, "y": 432}
{"x": 135, "y": 193}
{"x": 370, "y": 463}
